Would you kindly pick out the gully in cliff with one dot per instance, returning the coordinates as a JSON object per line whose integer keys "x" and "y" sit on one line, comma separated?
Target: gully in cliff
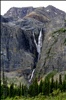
{"x": 38, "y": 47}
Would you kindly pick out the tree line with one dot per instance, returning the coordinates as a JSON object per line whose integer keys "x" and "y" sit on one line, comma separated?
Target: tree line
{"x": 45, "y": 87}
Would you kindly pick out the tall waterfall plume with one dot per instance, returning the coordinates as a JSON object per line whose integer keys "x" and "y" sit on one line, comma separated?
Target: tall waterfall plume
{"x": 38, "y": 47}
{"x": 39, "y": 44}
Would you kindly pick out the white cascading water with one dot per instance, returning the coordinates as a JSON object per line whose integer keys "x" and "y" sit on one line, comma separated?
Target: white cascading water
{"x": 35, "y": 40}
{"x": 38, "y": 46}
{"x": 39, "y": 43}
{"x": 32, "y": 75}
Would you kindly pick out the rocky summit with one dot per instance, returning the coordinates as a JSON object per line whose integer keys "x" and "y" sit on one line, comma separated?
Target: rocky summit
{"x": 33, "y": 41}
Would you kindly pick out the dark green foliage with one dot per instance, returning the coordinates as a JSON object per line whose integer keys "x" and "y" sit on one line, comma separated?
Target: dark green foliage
{"x": 46, "y": 87}
{"x": 25, "y": 90}
{"x": 22, "y": 90}
{"x": 52, "y": 85}
{"x": 65, "y": 77}
{"x": 4, "y": 91}
{"x": 0, "y": 88}
{"x": 16, "y": 91}
{"x": 19, "y": 90}
{"x": 30, "y": 91}
{"x": 56, "y": 84}
{"x": 35, "y": 87}
{"x": 60, "y": 82}
{"x": 60, "y": 79}
{"x": 60, "y": 30}
{"x": 64, "y": 86}
{"x": 11, "y": 94}
{"x": 40, "y": 87}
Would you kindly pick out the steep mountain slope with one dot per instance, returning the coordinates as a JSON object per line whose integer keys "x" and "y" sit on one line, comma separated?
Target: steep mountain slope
{"x": 17, "y": 13}
{"x": 17, "y": 48}
{"x": 54, "y": 12}
{"x": 53, "y": 55}
{"x": 33, "y": 40}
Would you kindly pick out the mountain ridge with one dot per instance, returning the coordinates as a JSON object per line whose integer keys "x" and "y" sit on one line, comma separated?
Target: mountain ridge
{"x": 24, "y": 31}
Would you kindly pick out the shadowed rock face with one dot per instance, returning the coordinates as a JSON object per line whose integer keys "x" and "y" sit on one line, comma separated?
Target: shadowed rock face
{"x": 2, "y": 19}
{"x": 18, "y": 48}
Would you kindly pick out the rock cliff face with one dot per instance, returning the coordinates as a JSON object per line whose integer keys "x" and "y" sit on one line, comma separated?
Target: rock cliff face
{"x": 33, "y": 39}
{"x": 17, "y": 13}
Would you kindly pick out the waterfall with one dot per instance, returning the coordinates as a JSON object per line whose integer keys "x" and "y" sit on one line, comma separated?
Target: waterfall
{"x": 32, "y": 75}
{"x": 39, "y": 43}
{"x": 35, "y": 40}
{"x": 38, "y": 47}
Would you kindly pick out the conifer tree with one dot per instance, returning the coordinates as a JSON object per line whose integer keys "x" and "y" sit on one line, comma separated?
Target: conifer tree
{"x": 56, "y": 84}
{"x": 46, "y": 87}
{"x": 1, "y": 89}
{"x": 35, "y": 87}
{"x": 65, "y": 77}
{"x": 5, "y": 88}
{"x": 40, "y": 87}
{"x": 60, "y": 82}
{"x": 52, "y": 85}
{"x": 64, "y": 84}
{"x": 22, "y": 90}
{"x": 30, "y": 91}
{"x": 60, "y": 79}
{"x": 25, "y": 90}
{"x": 15, "y": 91}
{"x": 11, "y": 92}
{"x": 19, "y": 90}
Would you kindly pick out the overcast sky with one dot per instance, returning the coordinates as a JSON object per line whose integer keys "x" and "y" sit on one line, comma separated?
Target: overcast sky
{"x": 6, "y": 5}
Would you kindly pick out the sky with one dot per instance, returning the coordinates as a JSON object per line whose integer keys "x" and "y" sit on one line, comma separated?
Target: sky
{"x": 6, "y": 5}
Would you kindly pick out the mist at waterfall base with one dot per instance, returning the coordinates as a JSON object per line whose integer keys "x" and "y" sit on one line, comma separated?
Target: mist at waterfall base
{"x": 38, "y": 47}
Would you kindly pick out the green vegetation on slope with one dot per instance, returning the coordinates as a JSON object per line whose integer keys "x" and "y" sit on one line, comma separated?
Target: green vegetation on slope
{"x": 51, "y": 74}
{"x": 46, "y": 88}
{"x": 60, "y": 96}
{"x": 60, "y": 31}
{"x": 55, "y": 35}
